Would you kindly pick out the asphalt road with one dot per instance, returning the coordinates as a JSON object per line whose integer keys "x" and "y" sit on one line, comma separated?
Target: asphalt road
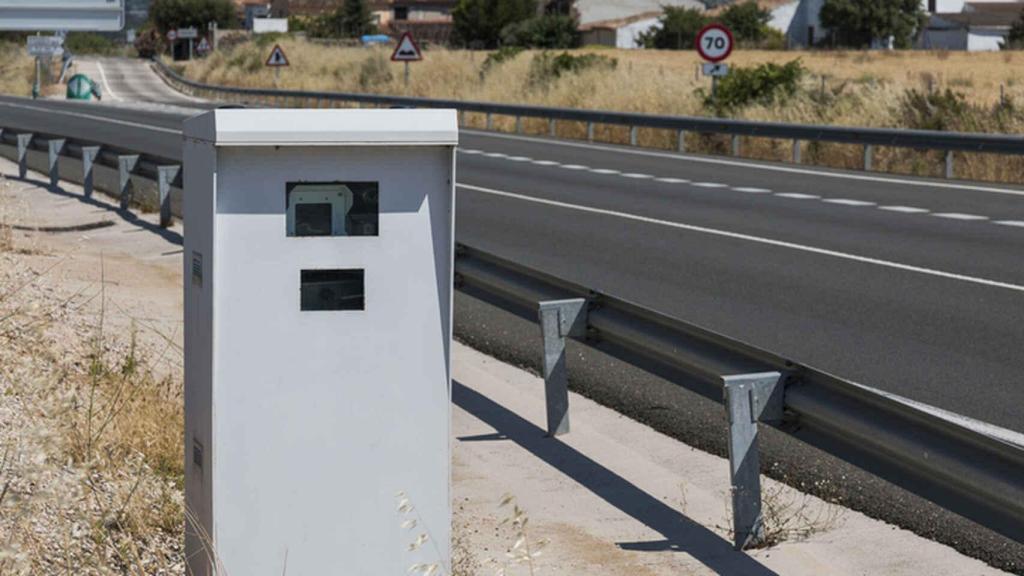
{"x": 909, "y": 285}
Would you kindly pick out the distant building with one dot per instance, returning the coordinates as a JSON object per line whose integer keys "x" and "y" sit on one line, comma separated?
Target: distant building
{"x": 286, "y": 8}
{"x": 621, "y": 32}
{"x": 595, "y": 11}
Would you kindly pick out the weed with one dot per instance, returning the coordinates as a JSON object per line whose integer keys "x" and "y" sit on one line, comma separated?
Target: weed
{"x": 374, "y": 71}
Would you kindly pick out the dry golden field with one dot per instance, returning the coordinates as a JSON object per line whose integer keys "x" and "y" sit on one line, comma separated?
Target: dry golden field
{"x": 16, "y": 70}
{"x": 841, "y": 88}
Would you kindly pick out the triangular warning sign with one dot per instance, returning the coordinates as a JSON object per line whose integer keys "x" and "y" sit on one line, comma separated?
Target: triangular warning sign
{"x": 277, "y": 57}
{"x": 407, "y": 50}
{"x": 203, "y": 47}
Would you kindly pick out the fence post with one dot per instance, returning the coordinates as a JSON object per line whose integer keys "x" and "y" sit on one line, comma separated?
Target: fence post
{"x": 23, "y": 143}
{"x": 681, "y": 137}
{"x": 551, "y": 127}
{"x": 559, "y": 319}
{"x": 632, "y": 135}
{"x": 749, "y": 398}
{"x": 89, "y": 154}
{"x": 735, "y": 144}
{"x": 868, "y": 153}
{"x": 490, "y": 121}
{"x": 590, "y": 131}
{"x": 165, "y": 177}
{"x": 53, "y": 149}
{"x": 949, "y": 164}
{"x": 125, "y": 166}
{"x": 796, "y": 151}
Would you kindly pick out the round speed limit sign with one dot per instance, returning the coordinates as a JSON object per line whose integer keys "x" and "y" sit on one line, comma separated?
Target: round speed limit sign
{"x": 714, "y": 42}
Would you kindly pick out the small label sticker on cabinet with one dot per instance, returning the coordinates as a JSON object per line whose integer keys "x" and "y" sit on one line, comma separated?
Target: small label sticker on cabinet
{"x": 197, "y": 268}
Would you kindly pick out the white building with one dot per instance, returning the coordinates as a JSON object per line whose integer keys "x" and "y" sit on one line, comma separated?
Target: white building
{"x": 621, "y": 32}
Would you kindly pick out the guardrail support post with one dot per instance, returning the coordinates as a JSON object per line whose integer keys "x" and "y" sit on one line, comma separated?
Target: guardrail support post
{"x": 869, "y": 152}
{"x": 796, "y": 151}
{"x": 551, "y": 127}
{"x": 462, "y": 118}
{"x": 165, "y": 177}
{"x": 23, "y": 142}
{"x": 590, "y": 131}
{"x": 519, "y": 124}
{"x": 89, "y": 154}
{"x": 749, "y": 398}
{"x": 949, "y": 164}
{"x": 681, "y": 137}
{"x": 53, "y": 149}
{"x": 490, "y": 121}
{"x": 632, "y": 135}
{"x": 735, "y": 144}
{"x": 559, "y": 319}
{"x": 125, "y": 165}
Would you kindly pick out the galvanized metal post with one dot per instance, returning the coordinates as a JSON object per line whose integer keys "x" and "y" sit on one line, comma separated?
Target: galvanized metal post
{"x": 949, "y": 164}
{"x": 796, "y": 151}
{"x": 735, "y": 144}
{"x": 53, "y": 149}
{"x": 869, "y": 152}
{"x": 558, "y": 319}
{"x": 632, "y": 135}
{"x": 519, "y": 124}
{"x": 23, "y": 142}
{"x": 490, "y": 121}
{"x": 462, "y": 118}
{"x": 590, "y": 131}
{"x": 125, "y": 165}
{"x": 165, "y": 177}
{"x": 89, "y": 154}
{"x": 749, "y": 398}
{"x": 681, "y": 137}
{"x": 551, "y": 127}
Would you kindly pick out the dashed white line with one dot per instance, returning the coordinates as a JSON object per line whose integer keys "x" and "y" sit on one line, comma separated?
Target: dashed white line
{"x": 710, "y": 185}
{"x": 605, "y": 171}
{"x": 495, "y": 155}
{"x": 848, "y": 202}
{"x": 470, "y": 151}
{"x": 905, "y": 209}
{"x": 575, "y": 167}
{"x": 1017, "y": 223}
{"x": 797, "y": 196}
{"x": 751, "y": 190}
{"x": 673, "y": 180}
{"x": 959, "y": 216}
{"x": 545, "y": 163}
{"x": 755, "y": 239}
{"x": 636, "y": 175}
{"x": 519, "y": 158}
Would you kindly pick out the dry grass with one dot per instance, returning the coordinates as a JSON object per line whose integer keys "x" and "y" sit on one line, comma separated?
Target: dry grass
{"x": 842, "y": 88}
{"x": 17, "y": 70}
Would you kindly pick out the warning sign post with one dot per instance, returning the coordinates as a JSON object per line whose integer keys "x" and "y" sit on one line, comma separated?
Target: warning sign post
{"x": 406, "y": 51}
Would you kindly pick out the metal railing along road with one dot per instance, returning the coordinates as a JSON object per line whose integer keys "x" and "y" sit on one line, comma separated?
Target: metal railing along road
{"x": 968, "y": 467}
{"x": 869, "y": 138}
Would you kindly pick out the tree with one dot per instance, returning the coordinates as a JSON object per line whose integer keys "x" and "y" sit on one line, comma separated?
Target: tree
{"x": 551, "y": 31}
{"x": 478, "y": 23}
{"x": 1015, "y": 39}
{"x": 858, "y": 23}
{"x": 174, "y": 14}
{"x": 356, "y": 19}
{"x": 677, "y": 29}
{"x": 747, "y": 21}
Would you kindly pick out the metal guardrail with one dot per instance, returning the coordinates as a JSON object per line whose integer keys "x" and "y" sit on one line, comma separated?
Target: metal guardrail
{"x": 965, "y": 466}
{"x": 869, "y": 138}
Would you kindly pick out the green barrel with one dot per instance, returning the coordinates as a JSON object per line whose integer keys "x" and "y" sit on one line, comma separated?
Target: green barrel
{"x": 80, "y": 87}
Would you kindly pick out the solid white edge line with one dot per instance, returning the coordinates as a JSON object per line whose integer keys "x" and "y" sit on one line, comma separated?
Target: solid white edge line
{"x": 751, "y": 238}
{"x": 106, "y": 85}
{"x": 92, "y": 117}
{"x": 724, "y": 162}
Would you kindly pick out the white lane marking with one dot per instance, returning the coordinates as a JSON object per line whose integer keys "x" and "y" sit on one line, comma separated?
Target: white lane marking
{"x": 636, "y": 175}
{"x": 1017, "y": 223}
{"x": 470, "y": 151}
{"x": 751, "y": 190}
{"x": 605, "y": 171}
{"x": 495, "y": 155}
{"x": 710, "y": 185}
{"x": 92, "y": 117}
{"x": 768, "y": 167}
{"x": 904, "y": 209}
{"x": 519, "y": 159}
{"x": 575, "y": 167}
{"x": 848, "y": 202}
{"x": 959, "y": 216}
{"x": 797, "y": 196}
{"x": 545, "y": 163}
{"x": 755, "y": 239}
{"x": 673, "y": 180}
{"x": 106, "y": 85}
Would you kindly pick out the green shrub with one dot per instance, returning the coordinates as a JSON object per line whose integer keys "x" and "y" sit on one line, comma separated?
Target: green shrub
{"x": 550, "y": 31}
{"x": 747, "y": 21}
{"x": 499, "y": 57}
{"x": 374, "y": 71}
{"x": 676, "y": 30}
{"x": 944, "y": 110}
{"x": 478, "y": 24}
{"x": 149, "y": 43}
{"x": 90, "y": 43}
{"x": 546, "y": 67}
{"x": 763, "y": 84}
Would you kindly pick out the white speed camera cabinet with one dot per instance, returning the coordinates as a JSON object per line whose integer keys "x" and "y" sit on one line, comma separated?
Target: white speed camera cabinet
{"x": 318, "y": 286}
